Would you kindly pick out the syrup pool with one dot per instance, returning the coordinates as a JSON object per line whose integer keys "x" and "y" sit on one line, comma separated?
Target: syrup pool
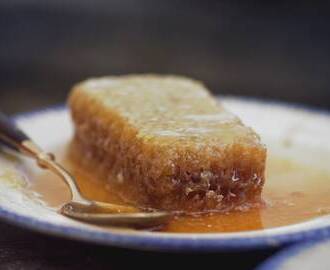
{"x": 294, "y": 192}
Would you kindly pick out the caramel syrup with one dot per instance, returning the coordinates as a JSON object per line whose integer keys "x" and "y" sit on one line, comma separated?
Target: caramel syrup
{"x": 293, "y": 193}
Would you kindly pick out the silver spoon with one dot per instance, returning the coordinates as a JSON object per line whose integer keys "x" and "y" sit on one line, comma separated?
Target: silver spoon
{"x": 79, "y": 207}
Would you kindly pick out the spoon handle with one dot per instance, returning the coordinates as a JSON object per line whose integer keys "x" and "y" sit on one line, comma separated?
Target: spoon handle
{"x": 10, "y": 135}
{"x": 15, "y": 139}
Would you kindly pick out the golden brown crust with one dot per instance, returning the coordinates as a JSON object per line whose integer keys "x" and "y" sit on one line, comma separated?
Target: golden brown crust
{"x": 191, "y": 170}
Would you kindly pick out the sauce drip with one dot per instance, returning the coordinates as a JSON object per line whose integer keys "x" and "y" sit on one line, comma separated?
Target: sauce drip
{"x": 293, "y": 193}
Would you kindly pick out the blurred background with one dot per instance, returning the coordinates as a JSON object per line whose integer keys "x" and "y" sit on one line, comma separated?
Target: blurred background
{"x": 266, "y": 49}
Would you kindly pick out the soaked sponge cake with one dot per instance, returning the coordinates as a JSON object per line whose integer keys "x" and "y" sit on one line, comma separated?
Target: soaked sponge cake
{"x": 168, "y": 142}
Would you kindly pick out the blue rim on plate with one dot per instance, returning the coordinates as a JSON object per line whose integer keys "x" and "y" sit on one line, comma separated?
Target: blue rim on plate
{"x": 276, "y": 261}
{"x": 161, "y": 241}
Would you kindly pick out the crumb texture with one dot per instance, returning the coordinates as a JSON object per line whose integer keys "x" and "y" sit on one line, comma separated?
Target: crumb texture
{"x": 168, "y": 141}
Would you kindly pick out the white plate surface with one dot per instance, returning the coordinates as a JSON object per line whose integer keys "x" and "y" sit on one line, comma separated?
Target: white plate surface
{"x": 276, "y": 124}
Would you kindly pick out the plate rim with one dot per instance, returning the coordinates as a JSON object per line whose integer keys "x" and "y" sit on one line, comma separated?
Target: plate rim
{"x": 276, "y": 261}
{"x": 154, "y": 241}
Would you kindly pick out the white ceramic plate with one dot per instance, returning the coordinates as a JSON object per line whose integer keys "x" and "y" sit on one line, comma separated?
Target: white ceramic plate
{"x": 275, "y": 122}
{"x": 306, "y": 256}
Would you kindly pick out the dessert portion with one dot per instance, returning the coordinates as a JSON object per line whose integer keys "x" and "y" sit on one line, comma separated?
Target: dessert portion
{"x": 167, "y": 143}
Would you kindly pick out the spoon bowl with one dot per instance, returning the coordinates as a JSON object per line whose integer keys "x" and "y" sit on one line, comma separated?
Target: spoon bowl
{"x": 95, "y": 214}
{"x": 79, "y": 208}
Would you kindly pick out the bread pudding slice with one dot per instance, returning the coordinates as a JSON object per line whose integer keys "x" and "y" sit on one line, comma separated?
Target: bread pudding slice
{"x": 168, "y": 142}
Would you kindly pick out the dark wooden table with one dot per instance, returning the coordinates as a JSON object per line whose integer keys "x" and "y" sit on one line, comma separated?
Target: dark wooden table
{"x": 23, "y": 249}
